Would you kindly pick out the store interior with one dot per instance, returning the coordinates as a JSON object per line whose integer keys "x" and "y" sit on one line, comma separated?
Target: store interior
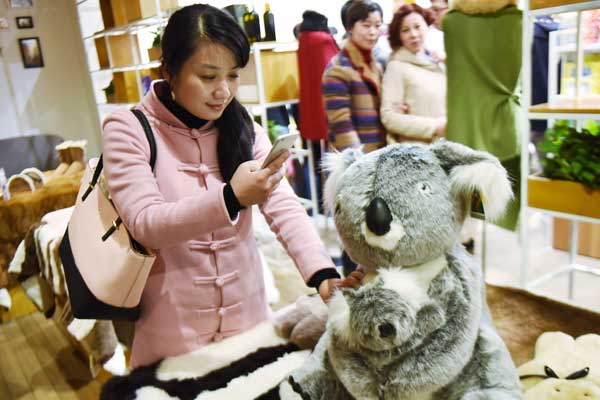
{"x": 530, "y": 92}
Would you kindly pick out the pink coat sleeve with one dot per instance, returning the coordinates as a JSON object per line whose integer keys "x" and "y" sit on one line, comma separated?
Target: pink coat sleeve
{"x": 150, "y": 219}
{"x": 288, "y": 220}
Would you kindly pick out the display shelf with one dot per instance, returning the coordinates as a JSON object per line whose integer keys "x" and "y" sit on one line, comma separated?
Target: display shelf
{"x": 565, "y": 197}
{"x": 557, "y": 198}
{"x": 150, "y": 65}
{"x": 571, "y": 48}
{"x": 132, "y": 27}
{"x": 567, "y": 108}
{"x": 271, "y": 77}
{"x": 548, "y": 7}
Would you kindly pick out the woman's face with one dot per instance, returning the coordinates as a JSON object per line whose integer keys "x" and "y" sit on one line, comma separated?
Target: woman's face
{"x": 412, "y": 32}
{"x": 366, "y": 32}
{"x": 207, "y": 81}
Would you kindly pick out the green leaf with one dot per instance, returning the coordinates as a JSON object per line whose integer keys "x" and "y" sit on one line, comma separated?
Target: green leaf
{"x": 547, "y": 146}
{"x": 571, "y": 154}
{"x": 592, "y": 127}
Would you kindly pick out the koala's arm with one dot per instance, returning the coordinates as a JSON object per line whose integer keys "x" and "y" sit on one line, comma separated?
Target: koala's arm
{"x": 413, "y": 371}
{"x": 353, "y": 373}
{"x": 337, "y": 101}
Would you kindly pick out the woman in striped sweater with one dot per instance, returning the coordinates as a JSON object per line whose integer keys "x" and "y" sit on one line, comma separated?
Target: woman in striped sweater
{"x": 352, "y": 83}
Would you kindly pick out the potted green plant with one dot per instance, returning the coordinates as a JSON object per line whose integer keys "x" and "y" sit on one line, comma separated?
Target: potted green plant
{"x": 571, "y": 169}
{"x": 155, "y": 52}
{"x": 572, "y": 155}
{"x": 109, "y": 92}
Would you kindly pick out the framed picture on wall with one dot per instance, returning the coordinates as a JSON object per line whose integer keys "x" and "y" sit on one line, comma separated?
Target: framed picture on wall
{"x": 31, "y": 52}
{"x": 20, "y": 3}
{"x": 4, "y": 24}
{"x": 24, "y": 22}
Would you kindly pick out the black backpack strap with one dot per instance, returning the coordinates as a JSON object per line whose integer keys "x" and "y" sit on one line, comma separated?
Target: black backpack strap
{"x": 149, "y": 135}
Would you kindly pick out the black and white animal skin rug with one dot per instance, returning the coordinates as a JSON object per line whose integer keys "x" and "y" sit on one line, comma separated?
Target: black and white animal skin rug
{"x": 246, "y": 366}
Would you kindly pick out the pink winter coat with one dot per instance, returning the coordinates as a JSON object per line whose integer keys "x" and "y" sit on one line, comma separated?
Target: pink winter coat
{"x": 207, "y": 282}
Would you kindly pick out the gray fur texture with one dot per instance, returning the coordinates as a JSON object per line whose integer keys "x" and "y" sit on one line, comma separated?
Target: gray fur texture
{"x": 420, "y": 328}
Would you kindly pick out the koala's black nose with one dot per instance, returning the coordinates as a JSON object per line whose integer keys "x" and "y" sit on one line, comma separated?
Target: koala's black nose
{"x": 378, "y": 217}
{"x": 386, "y": 330}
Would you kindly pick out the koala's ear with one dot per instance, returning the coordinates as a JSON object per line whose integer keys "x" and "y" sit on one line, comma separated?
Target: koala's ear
{"x": 475, "y": 171}
{"x": 335, "y": 163}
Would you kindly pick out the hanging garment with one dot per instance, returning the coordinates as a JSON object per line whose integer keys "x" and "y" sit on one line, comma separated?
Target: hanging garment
{"x": 483, "y": 66}
{"x": 539, "y": 67}
{"x": 315, "y": 49}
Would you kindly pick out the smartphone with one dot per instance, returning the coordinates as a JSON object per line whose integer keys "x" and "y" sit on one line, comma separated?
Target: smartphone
{"x": 282, "y": 143}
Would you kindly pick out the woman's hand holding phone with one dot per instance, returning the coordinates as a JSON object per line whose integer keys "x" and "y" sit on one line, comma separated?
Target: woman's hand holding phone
{"x": 253, "y": 184}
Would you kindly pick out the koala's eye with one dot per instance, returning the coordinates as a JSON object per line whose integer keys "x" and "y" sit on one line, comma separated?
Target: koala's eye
{"x": 337, "y": 208}
{"x": 424, "y": 188}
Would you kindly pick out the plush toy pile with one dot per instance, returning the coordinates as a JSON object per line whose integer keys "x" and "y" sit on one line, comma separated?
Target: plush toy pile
{"x": 419, "y": 328}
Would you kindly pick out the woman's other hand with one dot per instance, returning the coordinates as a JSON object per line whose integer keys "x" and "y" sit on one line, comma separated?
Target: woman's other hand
{"x": 329, "y": 286}
{"x": 253, "y": 185}
{"x": 401, "y": 108}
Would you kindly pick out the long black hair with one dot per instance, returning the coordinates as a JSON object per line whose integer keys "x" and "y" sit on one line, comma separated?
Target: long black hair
{"x": 187, "y": 29}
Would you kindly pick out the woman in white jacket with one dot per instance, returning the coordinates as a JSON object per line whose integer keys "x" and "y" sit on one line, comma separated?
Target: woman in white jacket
{"x": 413, "y": 105}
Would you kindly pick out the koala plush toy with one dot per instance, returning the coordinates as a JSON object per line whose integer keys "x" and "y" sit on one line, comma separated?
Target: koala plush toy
{"x": 419, "y": 327}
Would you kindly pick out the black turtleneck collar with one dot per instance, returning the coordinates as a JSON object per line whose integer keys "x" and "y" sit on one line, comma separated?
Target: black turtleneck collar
{"x": 189, "y": 119}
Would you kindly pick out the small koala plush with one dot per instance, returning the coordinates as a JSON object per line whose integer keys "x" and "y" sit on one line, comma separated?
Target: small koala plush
{"x": 304, "y": 324}
{"x": 419, "y": 327}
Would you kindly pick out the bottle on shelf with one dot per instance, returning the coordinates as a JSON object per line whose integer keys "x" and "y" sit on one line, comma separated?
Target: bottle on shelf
{"x": 269, "y": 21}
{"x": 252, "y": 26}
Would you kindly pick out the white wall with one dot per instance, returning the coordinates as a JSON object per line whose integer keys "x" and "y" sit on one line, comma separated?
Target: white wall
{"x": 57, "y": 98}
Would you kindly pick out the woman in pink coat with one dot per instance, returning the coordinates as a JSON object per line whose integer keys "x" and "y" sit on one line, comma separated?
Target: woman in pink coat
{"x": 195, "y": 208}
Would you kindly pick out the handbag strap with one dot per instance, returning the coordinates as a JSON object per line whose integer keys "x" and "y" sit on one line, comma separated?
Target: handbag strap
{"x": 149, "y": 135}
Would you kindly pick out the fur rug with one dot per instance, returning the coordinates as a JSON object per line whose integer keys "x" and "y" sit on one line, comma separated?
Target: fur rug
{"x": 25, "y": 209}
{"x": 247, "y": 366}
{"x": 521, "y": 317}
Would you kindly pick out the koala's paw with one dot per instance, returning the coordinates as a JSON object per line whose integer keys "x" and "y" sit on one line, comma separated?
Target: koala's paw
{"x": 303, "y": 325}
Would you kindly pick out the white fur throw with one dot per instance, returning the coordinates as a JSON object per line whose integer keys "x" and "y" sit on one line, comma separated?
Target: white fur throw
{"x": 246, "y": 366}
{"x": 5, "y": 300}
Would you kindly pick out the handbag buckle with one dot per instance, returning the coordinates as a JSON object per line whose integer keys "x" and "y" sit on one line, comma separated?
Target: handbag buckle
{"x": 115, "y": 225}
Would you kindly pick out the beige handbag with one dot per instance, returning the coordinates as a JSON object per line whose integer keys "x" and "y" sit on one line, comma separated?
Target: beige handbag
{"x": 105, "y": 268}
